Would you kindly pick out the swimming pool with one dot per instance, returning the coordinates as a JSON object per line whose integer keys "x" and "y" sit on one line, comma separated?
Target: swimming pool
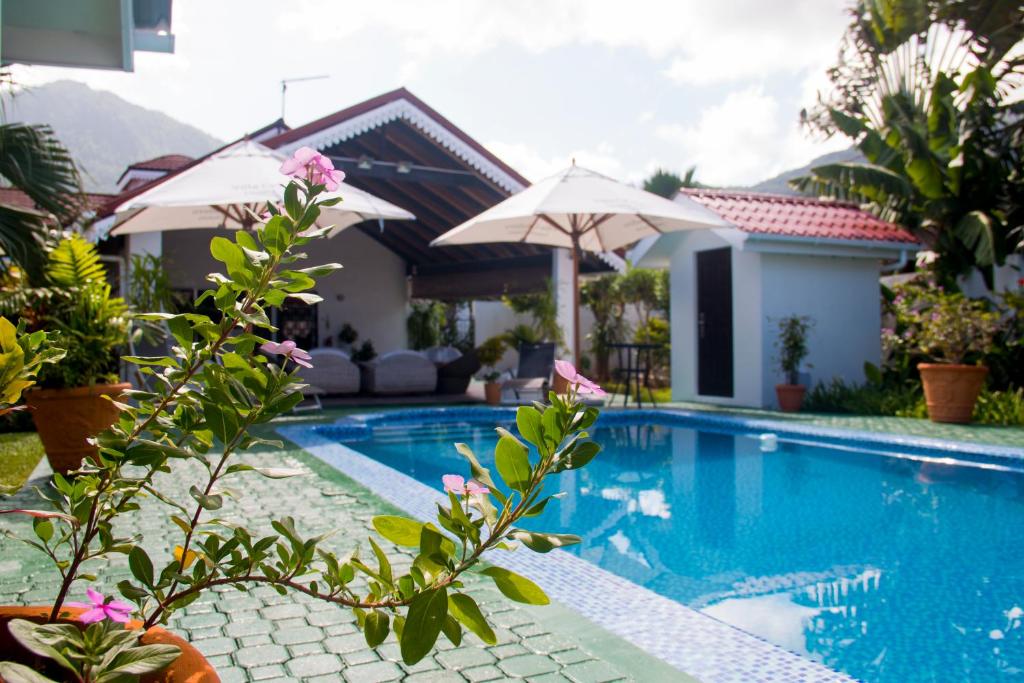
{"x": 887, "y": 568}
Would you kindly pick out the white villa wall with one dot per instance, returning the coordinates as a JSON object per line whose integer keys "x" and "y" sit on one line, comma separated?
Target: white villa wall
{"x": 841, "y": 295}
{"x": 747, "y": 330}
{"x": 370, "y": 291}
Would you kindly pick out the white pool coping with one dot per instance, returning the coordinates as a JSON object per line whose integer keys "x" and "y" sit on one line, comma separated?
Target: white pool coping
{"x": 688, "y": 640}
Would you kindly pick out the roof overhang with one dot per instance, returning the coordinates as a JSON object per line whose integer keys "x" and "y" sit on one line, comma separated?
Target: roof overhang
{"x": 92, "y": 34}
{"x": 657, "y": 252}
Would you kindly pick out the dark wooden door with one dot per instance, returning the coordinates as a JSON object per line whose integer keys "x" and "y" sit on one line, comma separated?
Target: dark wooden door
{"x": 714, "y": 323}
{"x": 298, "y": 321}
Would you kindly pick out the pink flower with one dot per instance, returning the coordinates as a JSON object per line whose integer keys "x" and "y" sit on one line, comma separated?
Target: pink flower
{"x": 453, "y": 483}
{"x": 289, "y": 351}
{"x": 101, "y": 608}
{"x": 582, "y": 384}
{"x": 313, "y": 166}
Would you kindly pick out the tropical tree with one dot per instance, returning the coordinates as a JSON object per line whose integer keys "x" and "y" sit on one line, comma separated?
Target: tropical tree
{"x": 667, "y": 183}
{"x": 603, "y": 296}
{"x": 34, "y": 161}
{"x": 930, "y": 92}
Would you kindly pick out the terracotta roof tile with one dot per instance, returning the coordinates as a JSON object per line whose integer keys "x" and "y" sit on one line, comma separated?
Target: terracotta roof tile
{"x": 10, "y": 195}
{"x": 791, "y": 216}
{"x": 167, "y": 162}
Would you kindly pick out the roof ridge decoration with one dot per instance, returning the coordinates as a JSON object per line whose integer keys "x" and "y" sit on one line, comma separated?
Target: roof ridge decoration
{"x": 402, "y": 108}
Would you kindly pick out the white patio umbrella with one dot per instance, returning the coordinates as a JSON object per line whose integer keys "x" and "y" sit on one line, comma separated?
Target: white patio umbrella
{"x": 581, "y": 210}
{"x": 219, "y": 192}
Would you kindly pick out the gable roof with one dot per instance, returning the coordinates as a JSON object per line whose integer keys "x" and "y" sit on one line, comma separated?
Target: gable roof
{"x": 15, "y": 197}
{"x": 800, "y": 217}
{"x": 401, "y": 104}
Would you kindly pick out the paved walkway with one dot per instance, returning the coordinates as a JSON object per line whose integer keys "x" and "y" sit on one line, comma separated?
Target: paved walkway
{"x": 263, "y": 636}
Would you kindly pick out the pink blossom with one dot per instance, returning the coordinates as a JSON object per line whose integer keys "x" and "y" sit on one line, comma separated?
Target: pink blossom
{"x": 453, "y": 483}
{"x": 313, "y": 166}
{"x": 582, "y": 384}
{"x": 100, "y": 608}
{"x": 289, "y": 350}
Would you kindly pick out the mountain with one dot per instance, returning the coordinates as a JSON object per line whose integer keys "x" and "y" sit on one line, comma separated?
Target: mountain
{"x": 778, "y": 184}
{"x": 104, "y": 132}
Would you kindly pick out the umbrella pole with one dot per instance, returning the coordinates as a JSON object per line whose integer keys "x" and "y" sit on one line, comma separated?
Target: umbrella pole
{"x": 576, "y": 299}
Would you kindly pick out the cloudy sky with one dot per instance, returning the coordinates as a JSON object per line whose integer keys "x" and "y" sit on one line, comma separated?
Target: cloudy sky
{"x": 622, "y": 87}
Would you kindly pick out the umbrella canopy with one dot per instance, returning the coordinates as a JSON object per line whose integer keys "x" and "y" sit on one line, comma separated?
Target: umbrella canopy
{"x": 218, "y": 192}
{"x": 582, "y": 210}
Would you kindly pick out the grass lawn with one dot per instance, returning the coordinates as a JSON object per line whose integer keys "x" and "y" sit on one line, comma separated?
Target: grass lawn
{"x": 20, "y": 452}
{"x": 661, "y": 394}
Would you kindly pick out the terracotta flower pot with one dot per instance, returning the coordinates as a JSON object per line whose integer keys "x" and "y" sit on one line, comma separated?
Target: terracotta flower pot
{"x": 189, "y": 667}
{"x": 492, "y": 393}
{"x": 951, "y": 390}
{"x": 791, "y": 396}
{"x": 66, "y": 418}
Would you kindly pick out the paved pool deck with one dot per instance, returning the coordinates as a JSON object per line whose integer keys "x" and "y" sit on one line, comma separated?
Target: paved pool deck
{"x": 263, "y": 636}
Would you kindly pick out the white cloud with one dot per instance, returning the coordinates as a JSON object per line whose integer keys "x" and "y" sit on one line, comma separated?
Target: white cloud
{"x": 743, "y": 139}
{"x": 705, "y": 42}
{"x": 535, "y": 166}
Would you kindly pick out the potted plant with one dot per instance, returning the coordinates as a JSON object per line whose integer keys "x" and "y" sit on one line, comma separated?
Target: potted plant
{"x": 950, "y": 329}
{"x": 792, "y": 347}
{"x": 490, "y": 353}
{"x": 347, "y": 336}
{"x": 215, "y": 385}
{"x": 73, "y": 403}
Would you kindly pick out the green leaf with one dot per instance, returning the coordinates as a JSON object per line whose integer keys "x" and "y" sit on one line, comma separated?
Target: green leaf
{"x": 383, "y": 562}
{"x": 140, "y": 565}
{"x": 399, "y": 530}
{"x": 465, "y": 609}
{"x": 452, "y": 631}
{"x": 209, "y": 502}
{"x": 528, "y": 422}
{"x": 479, "y": 472}
{"x": 140, "y": 660}
{"x": 516, "y": 587}
{"x": 43, "y": 528}
{"x": 510, "y": 456}
{"x": 376, "y": 627}
{"x": 227, "y": 252}
{"x": 579, "y": 456}
{"x": 12, "y": 672}
{"x": 423, "y": 624}
{"x": 542, "y": 543}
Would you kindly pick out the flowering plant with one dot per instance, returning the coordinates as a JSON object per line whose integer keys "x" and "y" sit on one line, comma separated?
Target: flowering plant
{"x": 210, "y": 391}
{"x": 946, "y": 327}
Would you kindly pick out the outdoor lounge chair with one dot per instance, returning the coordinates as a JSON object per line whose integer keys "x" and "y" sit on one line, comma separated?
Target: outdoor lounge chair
{"x": 454, "y": 377}
{"x": 533, "y": 377}
{"x": 332, "y": 372}
{"x": 400, "y": 372}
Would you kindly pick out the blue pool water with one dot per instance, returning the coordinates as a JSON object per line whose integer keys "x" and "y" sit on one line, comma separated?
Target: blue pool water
{"x": 890, "y": 569}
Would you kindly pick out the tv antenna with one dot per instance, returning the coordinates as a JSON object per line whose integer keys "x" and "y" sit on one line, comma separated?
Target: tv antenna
{"x": 286, "y": 81}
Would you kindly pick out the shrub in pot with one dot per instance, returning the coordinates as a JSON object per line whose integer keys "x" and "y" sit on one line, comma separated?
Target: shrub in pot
{"x": 490, "y": 353}
{"x": 213, "y": 387}
{"x": 792, "y": 347}
{"x": 950, "y": 330}
{"x": 73, "y": 403}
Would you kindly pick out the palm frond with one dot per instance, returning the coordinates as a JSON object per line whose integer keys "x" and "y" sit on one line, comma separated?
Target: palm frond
{"x": 33, "y": 160}
{"x": 22, "y": 240}
{"x": 74, "y": 262}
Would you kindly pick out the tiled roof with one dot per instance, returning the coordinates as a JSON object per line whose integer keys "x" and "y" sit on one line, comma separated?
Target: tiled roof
{"x": 168, "y": 162}
{"x": 10, "y": 195}
{"x": 790, "y": 216}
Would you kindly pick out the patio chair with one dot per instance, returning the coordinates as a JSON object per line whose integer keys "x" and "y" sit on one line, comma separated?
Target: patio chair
{"x": 332, "y": 372}
{"x": 400, "y": 372}
{"x": 454, "y": 377}
{"x": 533, "y": 376}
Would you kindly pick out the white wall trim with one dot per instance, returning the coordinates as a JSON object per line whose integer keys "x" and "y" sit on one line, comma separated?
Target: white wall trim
{"x": 403, "y": 109}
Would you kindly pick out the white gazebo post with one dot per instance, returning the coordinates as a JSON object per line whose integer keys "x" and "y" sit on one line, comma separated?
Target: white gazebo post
{"x": 562, "y": 282}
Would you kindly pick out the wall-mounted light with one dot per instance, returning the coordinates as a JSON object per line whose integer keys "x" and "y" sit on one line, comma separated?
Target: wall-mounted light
{"x": 365, "y": 163}
{"x": 404, "y": 167}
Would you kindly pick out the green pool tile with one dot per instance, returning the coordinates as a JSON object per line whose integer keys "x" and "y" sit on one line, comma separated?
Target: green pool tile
{"x": 329, "y": 617}
{"x": 376, "y": 672}
{"x": 197, "y": 621}
{"x": 570, "y": 656}
{"x": 464, "y": 658}
{"x": 356, "y": 657}
{"x": 592, "y": 672}
{"x": 258, "y": 639}
{"x": 216, "y": 646}
{"x": 296, "y": 635}
{"x": 288, "y": 610}
{"x": 528, "y": 665}
{"x": 233, "y": 675}
{"x": 351, "y": 642}
{"x": 314, "y": 665}
{"x": 262, "y": 655}
{"x": 248, "y": 628}
{"x": 262, "y": 673}
{"x": 482, "y": 673}
{"x": 305, "y": 649}
{"x": 437, "y": 676}
{"x": 546, "y": 644}
{"x": 508, "y": 650}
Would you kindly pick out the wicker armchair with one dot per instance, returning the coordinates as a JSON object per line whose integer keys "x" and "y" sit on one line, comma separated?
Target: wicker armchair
{"x": 400, "y": 372}
{"x": 332, "y": 372}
